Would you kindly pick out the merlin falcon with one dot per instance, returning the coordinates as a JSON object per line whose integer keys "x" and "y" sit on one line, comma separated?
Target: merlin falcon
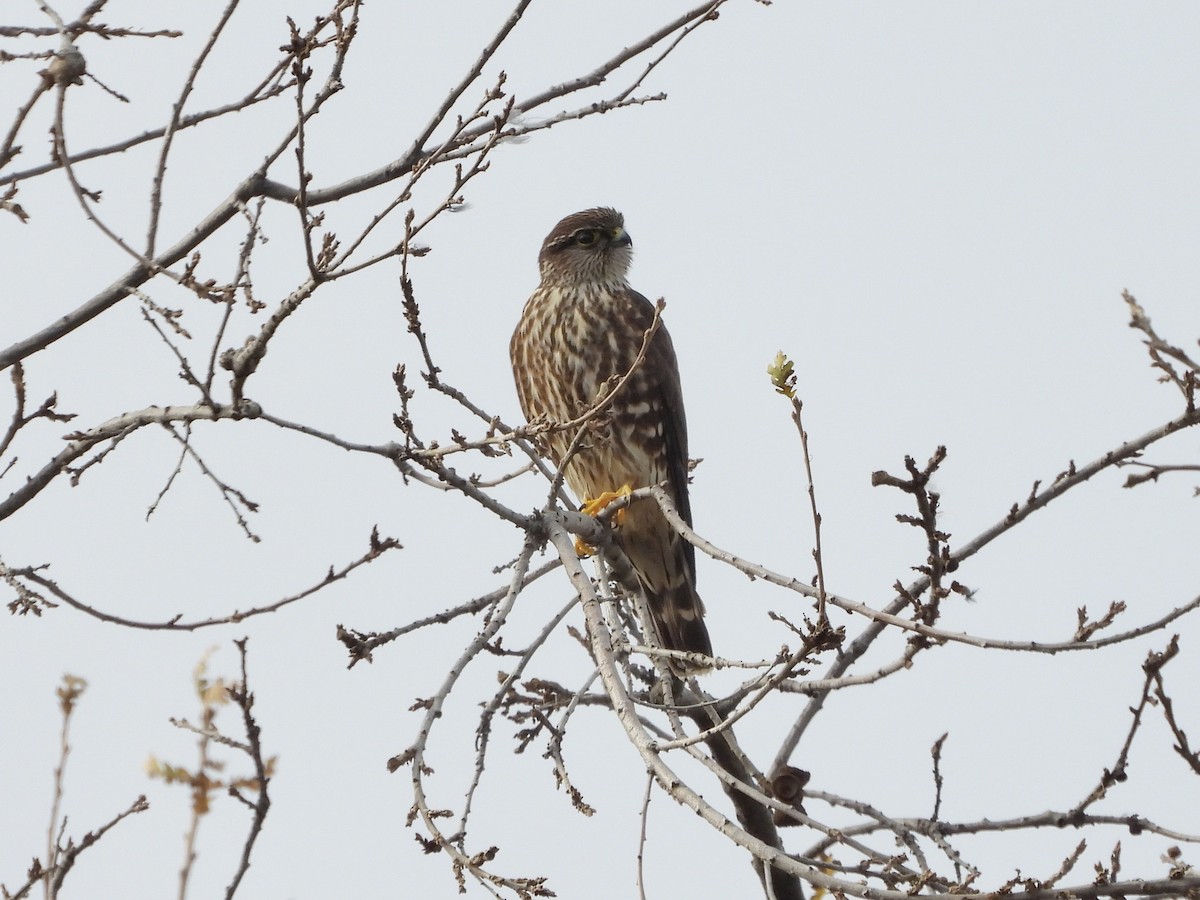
{"x": 581, "y": 331}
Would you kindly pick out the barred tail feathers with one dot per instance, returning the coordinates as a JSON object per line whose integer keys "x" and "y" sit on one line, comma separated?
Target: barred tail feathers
{"x": 678, "y": 618}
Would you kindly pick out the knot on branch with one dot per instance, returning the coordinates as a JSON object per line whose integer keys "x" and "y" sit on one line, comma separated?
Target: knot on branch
{"x": 787, "y": 785}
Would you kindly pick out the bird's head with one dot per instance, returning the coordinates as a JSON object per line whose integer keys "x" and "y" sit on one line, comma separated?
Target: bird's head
{"x": 588, "y": 247}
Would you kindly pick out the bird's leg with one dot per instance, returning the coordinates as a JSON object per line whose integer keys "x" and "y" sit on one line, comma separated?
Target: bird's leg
{"x": 597, "y": 504}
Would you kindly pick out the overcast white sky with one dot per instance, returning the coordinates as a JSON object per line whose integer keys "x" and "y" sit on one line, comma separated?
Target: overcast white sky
{"x": 932, "y": 207}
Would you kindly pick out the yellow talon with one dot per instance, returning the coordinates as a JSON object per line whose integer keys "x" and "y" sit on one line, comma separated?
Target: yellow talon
{"x": 597, "y": 504}
{"x": 592, "y": 507}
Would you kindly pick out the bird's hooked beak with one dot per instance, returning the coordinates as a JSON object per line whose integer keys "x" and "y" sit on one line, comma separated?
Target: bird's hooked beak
{"x": 621, "y": 238}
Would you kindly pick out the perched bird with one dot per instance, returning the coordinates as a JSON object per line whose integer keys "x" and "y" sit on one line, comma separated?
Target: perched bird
{"x": 582, "y": 326}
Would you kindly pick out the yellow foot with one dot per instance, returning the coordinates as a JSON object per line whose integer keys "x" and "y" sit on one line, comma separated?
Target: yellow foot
{"x": 595, "y": 505}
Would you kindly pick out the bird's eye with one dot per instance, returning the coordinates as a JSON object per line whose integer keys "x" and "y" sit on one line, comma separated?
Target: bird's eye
{"x": 585, "y": 237}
